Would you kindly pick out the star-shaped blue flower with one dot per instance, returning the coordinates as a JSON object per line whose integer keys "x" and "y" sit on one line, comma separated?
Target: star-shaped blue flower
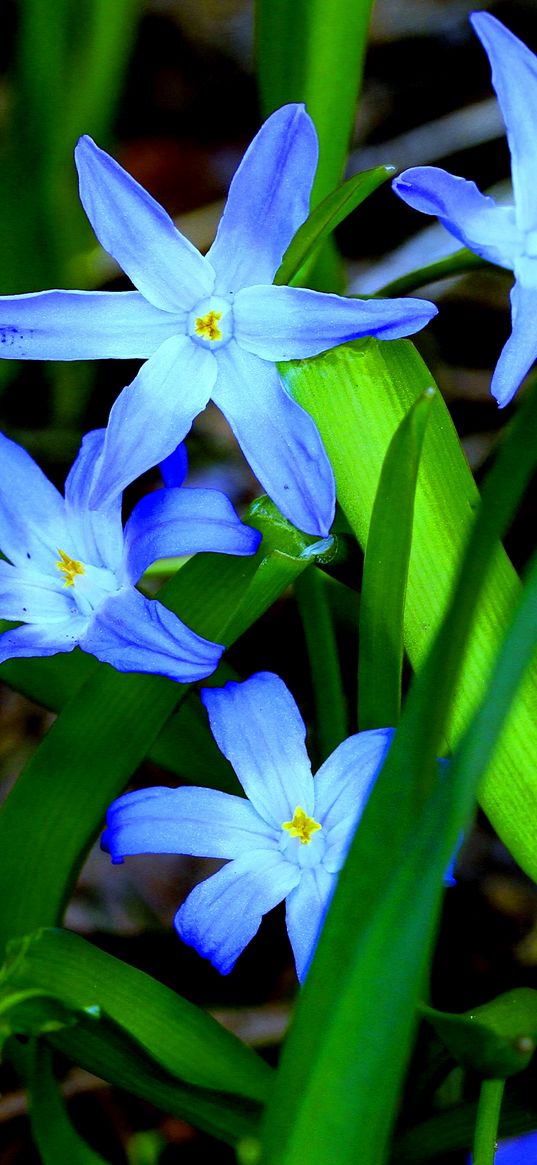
{"x": 209, "y": 326}
{"x": 505, "y": 235}
{"x": 287, "y": 841}
{"x": 71, "y": 575}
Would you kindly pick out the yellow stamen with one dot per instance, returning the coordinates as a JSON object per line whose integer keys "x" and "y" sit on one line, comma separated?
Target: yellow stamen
{"x": 69, "y": 567}
{"x": 301, "y": 826}
{"x": 207, "y": 326}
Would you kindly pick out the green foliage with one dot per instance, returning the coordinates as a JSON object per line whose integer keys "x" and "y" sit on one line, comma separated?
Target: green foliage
{"x": 324, "y": 219}
{"x": 358, "y": 394}
{"x": 495, "y": 1040}
{"x": 384, "y": 583}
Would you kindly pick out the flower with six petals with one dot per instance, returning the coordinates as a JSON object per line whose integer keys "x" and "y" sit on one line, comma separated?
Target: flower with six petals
{"x": 71, "y": 574}
{"x": 288, "y": 840}
{"x": 208, "y": 327}
{"x": 505, "y": 235}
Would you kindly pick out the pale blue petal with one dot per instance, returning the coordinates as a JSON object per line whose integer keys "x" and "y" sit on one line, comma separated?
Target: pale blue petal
{"x": 268, "y": 200}
{"x": 514, "y": 76}
{"x": 33, "y": 597}
{"x": 97, "y": 534}
{"x": 183, "y": 521}
{"x": 290, "y": 323}
{"x": 153, "y": 414}
{"x": 82, "y": 325}
{"x": 138, "y": 634}
{"x": 343, "y": 783}
{"x": 203, "y": 823}
{"x": 520, "y": 350}
{"x": 34, "y": 640}
{"x": 32, "y": 511}
{"x": 139, "y": 234}
{"x": 174, "y": 468}
{"x": 222, "y": 914}
{"x": 278, "y": 438}
{"x": 305, "y": 912}
{"x": 257, "y": 726}
{"x": 473, "y": 218}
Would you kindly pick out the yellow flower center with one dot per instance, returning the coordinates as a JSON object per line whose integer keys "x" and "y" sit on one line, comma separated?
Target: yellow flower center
{"x": 301, "y": 826}
{"x": 69, "y": 567}
{"x": 207, "y": 326}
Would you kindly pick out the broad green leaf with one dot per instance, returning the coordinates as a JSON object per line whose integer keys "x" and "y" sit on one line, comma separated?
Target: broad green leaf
{"x": 495, "y": 1040}
{"x": 358, "y": 394}
{"x": 164, "y": 1049}
{"x": 178, "y": 1036}
{"x": 384, "y": 580}
{"x": 348, "y": 1045}
{"x": 326, "y": 217}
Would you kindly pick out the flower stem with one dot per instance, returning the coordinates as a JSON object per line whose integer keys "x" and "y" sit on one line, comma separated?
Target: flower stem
{"x": 314, "y": 609}
{"x": 486, "y": 1125}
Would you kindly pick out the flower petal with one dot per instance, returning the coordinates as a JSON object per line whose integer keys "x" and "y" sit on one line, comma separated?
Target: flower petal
{"x": 82, "y": 325}
{"x": 174, "y": 468}
{"x": 153, "y": 414}
{"x": 278, "y": 438}
{"x": 30, "y": 597}
{"x": 200, "y": 822}
{"x": 139, "y": 234}
{"x": 520, "y": 351}
{"x": 267, "y": 202}
{"x": 32, "y": 511}
{"x": 514, "y": 76}
{"x": 183, "y": 521}
{"x": 257, "y": 726}
{"x": 289, "y": 323}
{"x": 222, "y": 914}
{"x": 97, "y": 534}
{"x": 305, "y": 912}
{"x": 474, "y": 218}
{"x": 343, "y": 783}
{"x": 34, "y": 640}
{"x": 138, "y": 634}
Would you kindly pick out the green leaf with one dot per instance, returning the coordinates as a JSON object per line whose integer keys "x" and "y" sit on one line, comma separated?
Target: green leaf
{"x": 495, "y": 1040}
{"x": 311, "y": 591}
{"x": 384, "y": 581}
{"x": 326, "y": 217}
{"x": 164, "y": 1049}
{"x": 358, "y": 394}
{"x": 349, "y": 1045}
{"x": 53, "y": 1133}
{"x": 31, "y": 1012}
{"x": 313, "y": 51}
{"x": 302, "y": 46}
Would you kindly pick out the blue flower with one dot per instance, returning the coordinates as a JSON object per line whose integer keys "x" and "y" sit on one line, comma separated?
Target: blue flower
{"x": 505, "y": 235}
{"x": 209, "y": 327}
{"x": 71, "y": 574}
{"x": 288, "y": 840}
{"x": 516, "y": 1151}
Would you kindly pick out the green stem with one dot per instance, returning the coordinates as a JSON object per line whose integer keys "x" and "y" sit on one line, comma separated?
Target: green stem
{"x": 314, "y": 609}
{"x": 459, "y": 263}
{"x": 486, "y": 1125}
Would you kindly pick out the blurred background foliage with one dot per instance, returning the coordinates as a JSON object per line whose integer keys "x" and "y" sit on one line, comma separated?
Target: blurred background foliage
{"x": 169, "y": 87}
